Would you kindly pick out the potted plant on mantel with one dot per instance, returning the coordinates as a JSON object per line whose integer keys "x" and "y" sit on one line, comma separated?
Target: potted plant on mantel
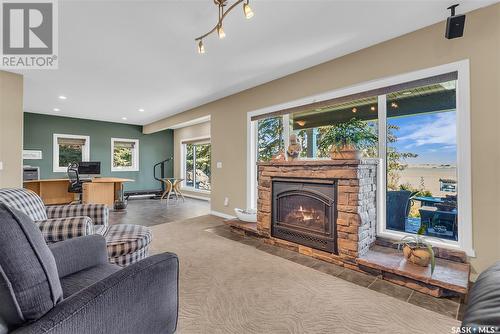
{"x": 417, "y": 250}
{"x": 345, "y": 140}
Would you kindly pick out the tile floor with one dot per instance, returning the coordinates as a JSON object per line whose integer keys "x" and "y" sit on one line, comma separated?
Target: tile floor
{"x": 149, "y": 212}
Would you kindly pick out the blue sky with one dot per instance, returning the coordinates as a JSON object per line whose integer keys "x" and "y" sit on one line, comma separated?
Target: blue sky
{"x": 431, "y": 136}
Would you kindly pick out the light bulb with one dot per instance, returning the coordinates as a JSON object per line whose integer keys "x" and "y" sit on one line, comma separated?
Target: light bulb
{"x": 201, "y": 47}
{"x": 220, "y": 32}
{"x": 248, "y": 11}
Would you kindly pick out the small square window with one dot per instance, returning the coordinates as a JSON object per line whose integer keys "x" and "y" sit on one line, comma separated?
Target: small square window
{"x": 69, "y": 149}
{"x": 124, "y": 155}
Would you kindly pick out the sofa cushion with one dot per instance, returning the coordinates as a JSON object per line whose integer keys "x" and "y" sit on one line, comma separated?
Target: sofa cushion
{"x": 82, "y": 279}
{"x": 25, "y": 201}
{"x": 29, "y": 282}
{"x": 483, "y": 306}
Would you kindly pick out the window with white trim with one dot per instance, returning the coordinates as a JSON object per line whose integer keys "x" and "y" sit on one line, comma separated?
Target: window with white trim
{"x": 69, "y": 149}
{"x": 124, "y": 155}
{"x": 422, "y": 134}
{"x": 196, "y": 166}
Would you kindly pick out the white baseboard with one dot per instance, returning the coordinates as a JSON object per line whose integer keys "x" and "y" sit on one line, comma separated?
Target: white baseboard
{"x": 222, "y": 215}
{"x": 196, "y": 197}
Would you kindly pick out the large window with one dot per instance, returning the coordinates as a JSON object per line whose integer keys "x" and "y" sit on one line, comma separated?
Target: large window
{"x": 124, "y": 155}
{"x": 69, "y": 149}
{"x": 424, "y": 154}
{"x": 197, "y": 169}
{"x": 317, "y": 129}
{"x": 422, "y": 160}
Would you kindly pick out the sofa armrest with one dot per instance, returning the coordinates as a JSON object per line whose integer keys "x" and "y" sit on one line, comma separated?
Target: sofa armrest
{"x": 59, "y": 229}
{"x": 483, "y": 305}
{"x": 99, "y": 213}
{"x": 141, "y": 298}
{"x": 80, "y": 253}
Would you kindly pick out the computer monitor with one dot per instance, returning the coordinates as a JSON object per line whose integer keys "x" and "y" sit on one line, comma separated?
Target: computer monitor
{"x": 89, "y": 167}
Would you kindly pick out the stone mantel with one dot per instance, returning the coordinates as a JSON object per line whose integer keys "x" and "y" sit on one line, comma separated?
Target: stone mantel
{"x": 320, "y": 162}
{"x": 356, "y": 201}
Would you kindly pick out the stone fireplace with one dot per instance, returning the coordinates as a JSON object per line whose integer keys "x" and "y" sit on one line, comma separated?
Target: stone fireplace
{"x": 322, "y": 208}
{"x": 326, "y": 209}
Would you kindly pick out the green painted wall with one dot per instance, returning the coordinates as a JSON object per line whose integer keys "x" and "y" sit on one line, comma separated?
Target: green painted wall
{"x": 38, "y": 135}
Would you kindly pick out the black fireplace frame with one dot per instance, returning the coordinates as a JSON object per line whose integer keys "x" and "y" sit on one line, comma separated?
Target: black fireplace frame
{"x": 322, "y": 241}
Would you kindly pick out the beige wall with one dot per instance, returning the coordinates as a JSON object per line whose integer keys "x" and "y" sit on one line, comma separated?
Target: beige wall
{"x": 418, "y": 50}
{"x": 201, "y": 130}
{"x": 11, "y": 129}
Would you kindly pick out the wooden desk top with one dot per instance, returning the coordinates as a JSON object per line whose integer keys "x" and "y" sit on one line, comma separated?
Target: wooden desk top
{"x": 94, "y": 180}
{"x": 110, "y": 180}
{"x": 46, "y": 180}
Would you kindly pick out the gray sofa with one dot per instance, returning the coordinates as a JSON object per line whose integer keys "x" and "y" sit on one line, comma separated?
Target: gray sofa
{"x": 483, "y": 306}
{"x": 70, "y": 287}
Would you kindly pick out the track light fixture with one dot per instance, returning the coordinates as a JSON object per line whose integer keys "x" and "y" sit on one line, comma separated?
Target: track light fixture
{"x": 247, "y": 11}
{"x": 201, "y": 47}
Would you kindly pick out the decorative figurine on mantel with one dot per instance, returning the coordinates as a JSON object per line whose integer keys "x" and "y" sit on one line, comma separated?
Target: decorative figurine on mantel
{"x": 279, "y": 157}
{"x": 293, "y": 151}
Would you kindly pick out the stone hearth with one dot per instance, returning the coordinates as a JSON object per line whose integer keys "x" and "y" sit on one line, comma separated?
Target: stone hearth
{"x": 355, "y": 201}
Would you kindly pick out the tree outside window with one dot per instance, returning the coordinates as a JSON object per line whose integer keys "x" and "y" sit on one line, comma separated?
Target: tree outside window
{"x": 125, "y": 154}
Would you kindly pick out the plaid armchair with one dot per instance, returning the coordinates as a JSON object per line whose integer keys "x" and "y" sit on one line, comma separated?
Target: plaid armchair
{"x": 59, "y": 222}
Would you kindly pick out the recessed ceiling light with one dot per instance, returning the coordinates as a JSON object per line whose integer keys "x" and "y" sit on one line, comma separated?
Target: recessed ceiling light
{"x": 57, "y": 109}
{"x": 62, "y": 97}
{"x": 141, "y": 110}
{"x": 124, "y": 118}
{"x": 407, "y": 93}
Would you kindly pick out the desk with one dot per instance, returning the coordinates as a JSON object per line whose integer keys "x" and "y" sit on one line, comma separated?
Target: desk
{"x": 52, "y": 191}
{"x": 101, "y": 190}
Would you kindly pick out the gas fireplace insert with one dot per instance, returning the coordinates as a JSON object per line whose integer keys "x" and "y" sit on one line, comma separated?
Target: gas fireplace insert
{"x": 304, "y": 212}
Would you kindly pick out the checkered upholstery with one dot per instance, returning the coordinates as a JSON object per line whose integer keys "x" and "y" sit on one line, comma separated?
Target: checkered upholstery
{"x": 59, "y": 229}
{"x": 127, "y": 243}
{"x": 25, "y": 201}
{"x": 128, "y": 259}
{"x": 100, "y": 229}
{"x": 98, "y": 213}
{"x": 59, "y": 222}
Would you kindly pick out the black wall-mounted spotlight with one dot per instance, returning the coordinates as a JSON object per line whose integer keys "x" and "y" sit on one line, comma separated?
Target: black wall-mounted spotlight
{"x": 454, "y": 24}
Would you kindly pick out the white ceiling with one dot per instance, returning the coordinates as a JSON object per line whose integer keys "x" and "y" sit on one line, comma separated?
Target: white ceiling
{"x": 116, "y": 57}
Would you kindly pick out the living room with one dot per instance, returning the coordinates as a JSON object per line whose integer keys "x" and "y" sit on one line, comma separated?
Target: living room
{"x": 269, "y": 177}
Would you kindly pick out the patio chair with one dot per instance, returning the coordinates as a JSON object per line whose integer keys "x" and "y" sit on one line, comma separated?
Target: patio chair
{"x": 437, "y": 219}
{"x": 398, "y": 209}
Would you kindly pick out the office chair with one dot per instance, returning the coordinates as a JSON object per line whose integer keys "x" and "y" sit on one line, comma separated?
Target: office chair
{"x": 75, "y": 184}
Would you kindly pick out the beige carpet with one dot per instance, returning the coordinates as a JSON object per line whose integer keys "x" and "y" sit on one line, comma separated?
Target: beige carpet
{"x": 229, "y": 287}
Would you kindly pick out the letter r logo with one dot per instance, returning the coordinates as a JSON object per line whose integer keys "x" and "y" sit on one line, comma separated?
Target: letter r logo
{"x": 27, "y": 28}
